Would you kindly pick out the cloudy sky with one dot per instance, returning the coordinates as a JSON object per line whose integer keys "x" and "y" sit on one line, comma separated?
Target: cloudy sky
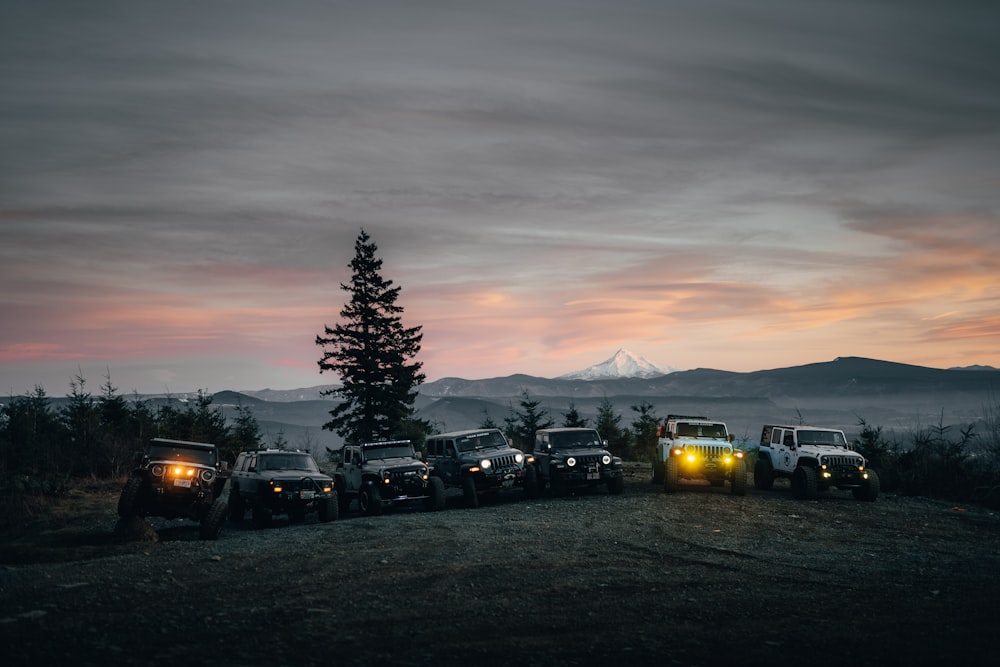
{"x": 724, "y": 184}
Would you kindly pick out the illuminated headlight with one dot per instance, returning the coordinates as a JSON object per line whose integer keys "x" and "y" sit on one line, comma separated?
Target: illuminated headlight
{"x": 606, "y": 459}
{"x": 158, "y": 470}
{"x": 864, "y": 475}
{"x": 519, "y": 457}
{"x": 327, "y": 489}
{"x": 738, "y": 454}
{"x": 277, "y": 488}
{"x": 678, "y": 452}
{"x": 207, "y": 475}
{"x": 485, "y": 464}
{"x": 571, "y": 462}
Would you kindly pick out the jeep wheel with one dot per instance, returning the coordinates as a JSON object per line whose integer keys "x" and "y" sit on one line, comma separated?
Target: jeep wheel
{"x": 870, "y": 490}
{"x": 657, "y": 472}
{"x": 469, "y": 492}
{"x": 670, "y": 482}
{"x": 738, "y": 484}
{"x": 328, "y": 509}
{"x": 763, "y": 475}
{"x": 261, "y": 515}
{"x": 129, "y": 504}
{"x": 368, "y": 501}
{"x": 530, "y": 481}
{"x": 616, "y": 485}
{"x": 435, "y": 501}
{"x": 212, "y": 522}
{"x": 237, "y": 508}
{"x": 804, "y": 483}
{"x": 558, "y": 484}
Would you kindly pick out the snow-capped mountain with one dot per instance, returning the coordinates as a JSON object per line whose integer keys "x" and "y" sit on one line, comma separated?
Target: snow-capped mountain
{"x": 623, "y": 364}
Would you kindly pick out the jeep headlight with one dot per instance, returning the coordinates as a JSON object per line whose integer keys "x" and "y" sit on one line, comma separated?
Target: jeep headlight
{"x": 606, "y": 459}
{"x": 207, "y": 475}
{"x": 571, "y": 461}
{"x": 519, "y": 457}
{"x": 485, "y": 464}
{"x": 158, "y": 470}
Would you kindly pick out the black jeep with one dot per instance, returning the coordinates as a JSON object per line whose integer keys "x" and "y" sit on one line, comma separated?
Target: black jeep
{"x": 178, "y": 479}
{"x": 385, "y": 474}
{"x": 480, "y": 462}
{"x": 568, "y": 458}
{"x": 280, "y": 481}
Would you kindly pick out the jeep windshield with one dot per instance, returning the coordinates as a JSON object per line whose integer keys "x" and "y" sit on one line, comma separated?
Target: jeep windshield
{"x": 701, "y": 431}
{"x": 474, "y": 441}
{"x": 829, "y": 438}
{"x": 389, "y": 452}
{"x": 163, "y": 452}
{"x": 575, "y": 439}
{"x": 286, "y": 462}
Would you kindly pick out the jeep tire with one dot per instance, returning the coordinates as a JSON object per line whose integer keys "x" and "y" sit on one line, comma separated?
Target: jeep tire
{"x": 657, "y": 472}
{"x": 435, "y": 500}
{"x": 763, "y": 475}
{"x": 869, "y": 492}
{"x": 328, "y": 509}
{"x": 129, "y": 504}
{"x": 469, "y": 492}
{"x": 670, "y": 474}
{"x": 368, "y": 501}
{"x": 212, "y": 522}
{"x": 738, "y": 483}
{"x": 804, "y": 483}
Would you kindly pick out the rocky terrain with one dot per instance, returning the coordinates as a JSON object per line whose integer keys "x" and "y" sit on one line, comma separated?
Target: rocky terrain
{"x": 695, "y": 578}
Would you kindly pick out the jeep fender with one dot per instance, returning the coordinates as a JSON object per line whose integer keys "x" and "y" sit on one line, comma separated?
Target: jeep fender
{"x": 765, "y": 456}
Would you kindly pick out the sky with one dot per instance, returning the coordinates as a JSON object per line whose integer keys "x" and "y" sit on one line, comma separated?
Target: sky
{"x": 708, "y": 184}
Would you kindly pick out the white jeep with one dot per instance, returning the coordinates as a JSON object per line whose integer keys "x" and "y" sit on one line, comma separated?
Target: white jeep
{"x": 814, "y": 459}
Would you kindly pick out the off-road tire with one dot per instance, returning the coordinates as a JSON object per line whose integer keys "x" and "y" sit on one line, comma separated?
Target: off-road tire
{"x": 212, "y": 522}
{"x": 670, "y": 476}
{"x": 469, "y": 492}
{"x": 129, "y": 502}
{"x": 869, "y": 492}
{"x": 530, "y": 481}
{"x": 804, "y": 483}
{"x": 369, "y": 502}
{"x": 558, "y": 483}
{"x": 237, "y": 506}
{"x": 328, "y": 509}
{"x": 435, "y": 500}
{"x": 657, "y": 472}
{"x": 738, "y": 484}
{"x": 763, "y": 475}
{"x": 616, "y": 485}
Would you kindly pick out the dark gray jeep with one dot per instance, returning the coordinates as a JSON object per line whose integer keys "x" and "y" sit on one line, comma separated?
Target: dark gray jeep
{"x": 385, "y": 474}
{"x": 280, "y": 481}
{"x": 480, "y": 462}
{"x": 567, "y": 458}
{"x": 178, "y": 479}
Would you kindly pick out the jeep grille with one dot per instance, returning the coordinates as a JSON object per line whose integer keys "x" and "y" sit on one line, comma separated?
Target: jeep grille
{"x": 589, "y": 459}
{"x": 710, "y": 451}
{"x": 841, "y": 461}
{"x": 503, "y": 462}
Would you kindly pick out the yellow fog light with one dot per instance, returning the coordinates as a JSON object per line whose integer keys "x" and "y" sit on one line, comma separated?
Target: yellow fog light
{"x": 728, "y": 460}
{"x": 327, "y": 489}
{"x": 691, "y": 458}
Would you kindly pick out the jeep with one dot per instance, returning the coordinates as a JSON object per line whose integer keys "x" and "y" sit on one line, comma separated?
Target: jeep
{"x": 691, "y": 447}
{"x": 480, "y": 462}
{"x": 814, "y": 459}
{"x": 280, "y": 481}
{"x": 177, "y": 479}
{"x": 568, "y": 458}
{"x": 385, "y": 474}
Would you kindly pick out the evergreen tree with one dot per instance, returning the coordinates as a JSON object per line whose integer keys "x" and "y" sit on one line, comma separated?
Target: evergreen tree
{"x": 522, "y": 424}
{"x": 370, "y": 350}
{"x": 608, "y": 424}
{"x": 246, "y": 433}
{"x": 644, "y": 429}
{"x": 573, "y": 418}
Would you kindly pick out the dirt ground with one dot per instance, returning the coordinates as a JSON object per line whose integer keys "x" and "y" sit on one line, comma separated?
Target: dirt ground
{"x": 694, "y": 578}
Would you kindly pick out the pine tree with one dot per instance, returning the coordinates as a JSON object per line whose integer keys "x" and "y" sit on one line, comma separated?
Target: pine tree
{"x": 370, "y": 350}
{"x": 573, "y": 418}
{"x": 608, "y": 424}
{"x": 520, "y": 425}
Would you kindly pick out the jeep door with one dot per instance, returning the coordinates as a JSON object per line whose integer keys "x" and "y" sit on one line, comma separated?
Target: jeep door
{"x": 783, "y": 446}
{"x": 352, "y": 469}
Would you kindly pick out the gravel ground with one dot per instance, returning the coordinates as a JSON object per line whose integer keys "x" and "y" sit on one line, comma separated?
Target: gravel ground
{"x": 694, "y": 578}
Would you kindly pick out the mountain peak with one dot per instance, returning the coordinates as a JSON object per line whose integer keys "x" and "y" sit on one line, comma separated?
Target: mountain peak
{"x": 623, "y": 364}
